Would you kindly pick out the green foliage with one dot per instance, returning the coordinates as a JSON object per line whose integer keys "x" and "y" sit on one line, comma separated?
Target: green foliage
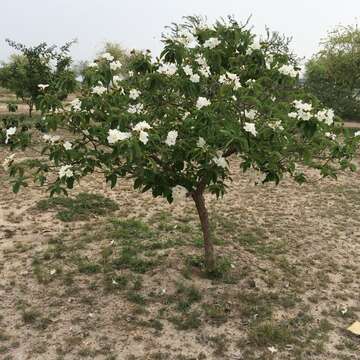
{"x": 333, "y": 74}
{"x": 242, "y": 83}
{"x": 38, "y": 65}
{"x": 174, "y": 121}
{"x": 82, "y": 207}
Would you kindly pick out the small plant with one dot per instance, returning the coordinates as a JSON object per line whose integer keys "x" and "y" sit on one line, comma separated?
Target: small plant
{"x": 12, "y": 107}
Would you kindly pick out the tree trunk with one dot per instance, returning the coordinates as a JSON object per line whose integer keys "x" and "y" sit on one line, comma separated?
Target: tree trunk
{"x": 30, "y": 110}
{"x": 199, "y": 200}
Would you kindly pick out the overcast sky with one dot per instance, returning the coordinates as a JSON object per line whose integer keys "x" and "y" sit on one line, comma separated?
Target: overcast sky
{"x": 139, "y": 23}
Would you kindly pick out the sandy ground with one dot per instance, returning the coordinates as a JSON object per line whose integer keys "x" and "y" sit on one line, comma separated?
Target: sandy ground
{"x": 303, "y": 259}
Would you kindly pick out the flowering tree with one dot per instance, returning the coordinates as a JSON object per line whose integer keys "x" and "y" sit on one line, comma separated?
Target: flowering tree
{"x": 31, "y": 72}
{"x": 214, "y": 94}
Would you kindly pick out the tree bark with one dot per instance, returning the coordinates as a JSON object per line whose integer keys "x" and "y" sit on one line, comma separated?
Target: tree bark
{"x": 30, "y": 109}
{"x": 199, "y": 200}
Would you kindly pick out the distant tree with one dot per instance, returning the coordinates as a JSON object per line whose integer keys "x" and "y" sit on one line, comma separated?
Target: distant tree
{"x": 333, "y": 74}
{"x": 31, "y": 73}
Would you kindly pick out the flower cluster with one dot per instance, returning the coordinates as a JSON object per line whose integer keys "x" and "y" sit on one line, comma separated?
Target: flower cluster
{"x": 167, "y": 69}
{"x": 65, "y": 171}
{"x": 9, "y": 132}
{"x": 195, "y": 78}
{"x": 204, "y": 68}
{"x": 136, "y": 109}
{"x": 303, "y": 111}
{"x": 255, "y": 45}
{"x": 250, "y": 128}
{"x": 327, "y": 116}
{"x": 212, "y": 43}
{"x": 76, "y": 104}
{"x": 116, "y": 135}
{"x": 171, "y": 138}
{"x": 230, "y": 79}
{"x": 202, "y": 102}
{"x": 52, "y": 139}
{"x": 288, "y": 70}
{"x": 98, "y": 89}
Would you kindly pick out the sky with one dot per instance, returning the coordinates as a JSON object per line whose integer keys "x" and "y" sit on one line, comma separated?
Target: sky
{"x": 139, "y": 23}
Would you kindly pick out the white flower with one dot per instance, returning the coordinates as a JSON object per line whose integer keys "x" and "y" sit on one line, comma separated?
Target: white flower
{"x": 212, "y": 43}
{"x": 52, "y": 271}
{"x": 117, "y": 78}
{"x": 51, "y": 139}
{"x": 188, "y": 70}
{"x": 116, "y": 135}
{"x": 250, "y": 127}
{"x": 201, "y": 102}
{"x": 272, "y": 349}
{"x": 223, "y": 79}
{"x": 116, "y": 65}
{"x": 171, "y": 138}
{"x": 131, "y": 73}
{"x": 9, "y": 132}
{"x": 205, "y": 71}
{"x": 276, "y": 125}
{"x": 204, "y": 68}
{"x": 186, "y": 114}
{"x": 107, "y": 57}
{"x": 65, "y": 171}
{"x": 201, "y": 60}
{"x": 134, "y": 94}
{"x": 251, "y": 114}
{"x": 167, "y": 69}
{"x": 144, "y": 137}
{"x": 269, "y": 61}
{"x": 76, "y": 104}
{"x": 300, "y": 105}
{"x": 142, "y": 125}
{"x": 250, "y": 82}
{"x": 8, "y": 160}
{"x": 220, "y": 161}
{"x": 344, "y": 310}
{"x": 43, "y": 86}
{"x": 254, "y": 46}
{"x": 292, "y": 115}
{"x": 67, "y": 145}
{"x": 136, "y": 109}
{"x": 186, "y": 38}
{"x": 327, "y": 116}
{"x": 93, "y": 65}
{"x": 303, "y": 115}
{"x": 98, "y": 90}
{"x": 330, "y": 135}
{"x": 288, "y": 70}
{"x": 357, "y": 133}
{"x": 230, "y": 79}
{"x": 195, "y": 78}
{"x": 201, "y": 143}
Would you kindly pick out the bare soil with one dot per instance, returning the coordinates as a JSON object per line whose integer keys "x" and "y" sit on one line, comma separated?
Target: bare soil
{"x": 290, "y": 291}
